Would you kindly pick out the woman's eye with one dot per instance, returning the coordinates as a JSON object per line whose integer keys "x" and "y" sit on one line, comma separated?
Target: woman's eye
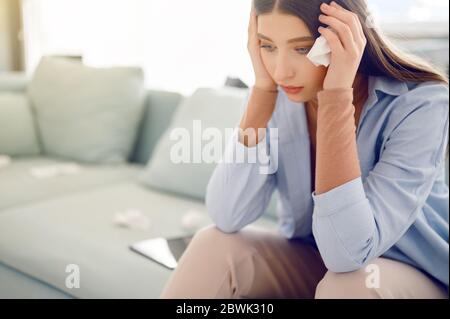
{"x": 303, "y": 50}
{"x": 267, "y": 47}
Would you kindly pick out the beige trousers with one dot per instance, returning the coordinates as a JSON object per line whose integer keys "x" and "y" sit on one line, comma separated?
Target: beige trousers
{"x": 256, "y": 263}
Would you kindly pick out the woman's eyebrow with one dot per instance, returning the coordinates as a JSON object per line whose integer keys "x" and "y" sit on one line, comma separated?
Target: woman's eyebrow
{"x": 299, "y": 39}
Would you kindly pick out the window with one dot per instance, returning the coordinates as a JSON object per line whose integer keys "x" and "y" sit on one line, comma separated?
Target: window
{"x": 410, "y": 11}
{"x": 182, "y": 45}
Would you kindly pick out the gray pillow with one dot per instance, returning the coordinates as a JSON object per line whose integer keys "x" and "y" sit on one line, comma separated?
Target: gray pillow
{"x": 87, "y": 114}
{"x": 216, "y": 108}
{"x": 17, "y": 129}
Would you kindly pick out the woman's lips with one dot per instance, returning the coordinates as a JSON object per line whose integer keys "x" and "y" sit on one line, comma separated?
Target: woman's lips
{"x": 292, "y": 89}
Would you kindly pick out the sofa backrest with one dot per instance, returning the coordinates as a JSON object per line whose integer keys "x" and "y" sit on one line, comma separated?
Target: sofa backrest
{"x": 160, "y": 106}
{"x": 158, "y": 112}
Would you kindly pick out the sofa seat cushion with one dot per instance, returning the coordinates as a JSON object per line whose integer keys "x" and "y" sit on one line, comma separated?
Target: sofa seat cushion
{"x": 18, "y": 186}
{"x": 16, "y": 285}
{"x": 42, "y": 239}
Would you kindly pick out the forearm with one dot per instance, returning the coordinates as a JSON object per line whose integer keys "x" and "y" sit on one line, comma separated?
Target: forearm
{"x": 257, "y": 115}
{"x": 337, "y": 159}
{"x": 238, "y": 193}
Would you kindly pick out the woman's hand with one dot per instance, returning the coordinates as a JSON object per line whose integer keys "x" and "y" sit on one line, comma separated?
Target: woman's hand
{"x": 347, "y": 45}
{"x": 263, "y": 80}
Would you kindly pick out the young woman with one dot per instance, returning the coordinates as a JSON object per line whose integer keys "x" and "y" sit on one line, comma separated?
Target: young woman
{"x": 363, "y": 205}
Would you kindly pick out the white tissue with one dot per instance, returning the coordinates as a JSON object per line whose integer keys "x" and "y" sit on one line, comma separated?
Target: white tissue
{"x": 320, "y": 53}
{"x": 132, "y": 218}
{"x": 5, "y": 160}
{"x": 55, "y": 170}
{"x": 192, "y": 219}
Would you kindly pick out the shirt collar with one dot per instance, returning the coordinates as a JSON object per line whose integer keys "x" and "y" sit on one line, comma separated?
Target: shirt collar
{"x": 385, "y": 85}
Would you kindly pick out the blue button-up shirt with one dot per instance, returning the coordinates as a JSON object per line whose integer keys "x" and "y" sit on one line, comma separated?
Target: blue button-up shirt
{"x": 398, "y": 208}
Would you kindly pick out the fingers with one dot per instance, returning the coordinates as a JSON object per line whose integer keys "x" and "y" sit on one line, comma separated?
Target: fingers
{"x": 342, "y": 29}
{"x": 333, "y": 40}
{"x": 348, "y": 18}
{"x": 362, "y": 41}
{"x": 252, "y": 29}
{"x": 252, "y": 20}
{"x": 358, "y": 22}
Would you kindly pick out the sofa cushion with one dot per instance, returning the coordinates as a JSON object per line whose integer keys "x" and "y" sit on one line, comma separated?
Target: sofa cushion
{"x": 17, "y": 129}
{"x": 219, "y": 109}
{"x": 17, "y": 285}
{"x": 87, "y": 114}
{"x": 159, "y": 109}
{"x": 18, "y": 186}
{"x": 79, "y": 229}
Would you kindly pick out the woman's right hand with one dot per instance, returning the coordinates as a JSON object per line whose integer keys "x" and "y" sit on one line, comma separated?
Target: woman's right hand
{"x": 263, "y": 80}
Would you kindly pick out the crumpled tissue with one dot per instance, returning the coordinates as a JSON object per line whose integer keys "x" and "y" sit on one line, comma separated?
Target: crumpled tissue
{"x": 320, "y": 53}
{"x": 132, "y": 218}
{"x": 5, "y": 160}
{"x": 49, "y": 171}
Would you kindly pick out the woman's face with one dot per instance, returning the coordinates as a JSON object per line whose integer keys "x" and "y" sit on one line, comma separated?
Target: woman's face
{"x": 285, "y": 42}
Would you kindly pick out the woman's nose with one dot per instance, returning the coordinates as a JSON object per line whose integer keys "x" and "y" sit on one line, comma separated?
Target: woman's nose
{"x": 283, "y": 72}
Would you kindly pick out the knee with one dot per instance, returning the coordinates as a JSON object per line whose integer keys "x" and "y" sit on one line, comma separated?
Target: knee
{"x": 210, "y": 257}
{"x": 208, "y": 233}
{"x": 212, "y": 238}
{"x": 350, "y": 285}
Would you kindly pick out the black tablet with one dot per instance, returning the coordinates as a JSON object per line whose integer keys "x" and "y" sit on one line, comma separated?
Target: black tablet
{"x": 164, "y": 251}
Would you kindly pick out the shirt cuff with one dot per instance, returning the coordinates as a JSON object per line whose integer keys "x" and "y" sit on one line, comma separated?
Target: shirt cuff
{"x": 339, "y": 198}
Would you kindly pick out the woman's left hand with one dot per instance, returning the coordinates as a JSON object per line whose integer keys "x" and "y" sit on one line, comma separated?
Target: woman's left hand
{"x": 347, "y": 45}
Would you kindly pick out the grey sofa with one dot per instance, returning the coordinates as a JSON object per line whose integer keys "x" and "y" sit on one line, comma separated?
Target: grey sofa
{"x": 48, "y": 224}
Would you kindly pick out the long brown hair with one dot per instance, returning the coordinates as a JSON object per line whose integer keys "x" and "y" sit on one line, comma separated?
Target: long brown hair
{"x": 381, "y": 57}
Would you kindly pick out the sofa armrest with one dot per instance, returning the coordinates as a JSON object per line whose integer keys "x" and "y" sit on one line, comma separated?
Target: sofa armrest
{"x": 13, "y": 81}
